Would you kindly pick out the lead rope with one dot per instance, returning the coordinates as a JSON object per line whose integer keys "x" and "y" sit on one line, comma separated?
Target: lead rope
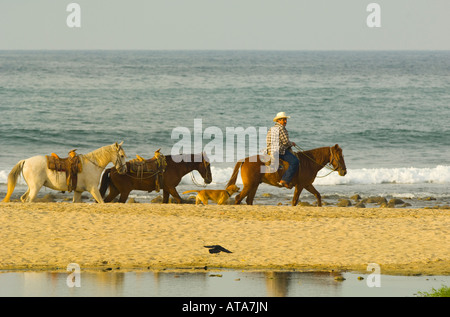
{"x": 194, "y": 180}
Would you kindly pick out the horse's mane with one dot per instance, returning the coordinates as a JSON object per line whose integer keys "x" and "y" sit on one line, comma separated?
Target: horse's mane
{"x": 314, "y": 155}
{"x": 101, "y": 155}
{"x": 188, "y": 158}
{"x": 316, "y": 150}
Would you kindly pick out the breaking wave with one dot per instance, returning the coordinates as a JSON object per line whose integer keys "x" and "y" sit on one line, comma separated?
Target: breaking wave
{"x": 405, "y": 175}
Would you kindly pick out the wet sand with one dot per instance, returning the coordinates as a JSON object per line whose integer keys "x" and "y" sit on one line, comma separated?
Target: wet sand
{"x": 49, "y": 236}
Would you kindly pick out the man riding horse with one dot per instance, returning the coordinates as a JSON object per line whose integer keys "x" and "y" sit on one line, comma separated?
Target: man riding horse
{"x": 278, "y": 144}
{"x": 256, "y": 169}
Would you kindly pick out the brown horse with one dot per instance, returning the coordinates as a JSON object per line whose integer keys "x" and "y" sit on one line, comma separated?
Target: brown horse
{"x": 311, "y": 162}
{"x": 177, "y": 167}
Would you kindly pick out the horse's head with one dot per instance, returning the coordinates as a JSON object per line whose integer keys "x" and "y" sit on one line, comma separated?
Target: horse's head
{"x": 204, "y": 169}
{"x": 337, "y": 160}
{"x": 120, "y": 161}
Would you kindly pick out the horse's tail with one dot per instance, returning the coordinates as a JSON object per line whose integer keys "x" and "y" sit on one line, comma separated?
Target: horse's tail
{"x": 234, "y": 176}
{"x": 191, "y": 191}
{"x": 12, "y": 180}
{"x": 106, "y": 181}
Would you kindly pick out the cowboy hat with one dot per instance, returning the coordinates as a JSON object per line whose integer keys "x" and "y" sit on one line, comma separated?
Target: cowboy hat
{"x": 280, "y": 115}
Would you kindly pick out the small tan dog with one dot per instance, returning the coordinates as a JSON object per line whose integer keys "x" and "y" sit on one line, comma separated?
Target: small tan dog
{"x": 220, "y": 196}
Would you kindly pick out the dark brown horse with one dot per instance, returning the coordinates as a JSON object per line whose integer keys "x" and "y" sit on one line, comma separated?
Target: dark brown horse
{"x": 177, "y": 167}
{"x": 311, "y": 162}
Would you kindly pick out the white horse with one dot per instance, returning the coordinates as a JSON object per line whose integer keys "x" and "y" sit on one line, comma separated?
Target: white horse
{"x": 36, "y": 173}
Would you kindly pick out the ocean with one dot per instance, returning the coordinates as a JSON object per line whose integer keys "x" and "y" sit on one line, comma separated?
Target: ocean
{"x": 388, "y": 110}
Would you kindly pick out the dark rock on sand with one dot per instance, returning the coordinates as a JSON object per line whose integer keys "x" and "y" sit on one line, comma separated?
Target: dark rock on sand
{"x": 344, "y": 203}
{"x": 375, "y": 200}
{"x": 395, "y": 201}
{"x": 426, "y": 198}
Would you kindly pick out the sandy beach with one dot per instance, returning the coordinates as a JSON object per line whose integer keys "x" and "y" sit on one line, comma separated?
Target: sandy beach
{"x": 49, "y": 236}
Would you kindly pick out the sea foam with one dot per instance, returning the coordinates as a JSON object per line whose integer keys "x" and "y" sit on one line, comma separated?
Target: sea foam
{"x": 403, "y": 175}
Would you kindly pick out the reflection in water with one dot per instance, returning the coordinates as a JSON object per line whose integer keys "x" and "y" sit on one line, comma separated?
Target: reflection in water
{"x": 211, "y": 283}
{"x": 278, "y": 284}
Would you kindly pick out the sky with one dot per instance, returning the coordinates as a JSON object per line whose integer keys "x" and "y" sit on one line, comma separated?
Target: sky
{"x": 225, "y": 25}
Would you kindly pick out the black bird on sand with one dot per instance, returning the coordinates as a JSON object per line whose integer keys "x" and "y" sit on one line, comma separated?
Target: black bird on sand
{"x": 216, "y": 249}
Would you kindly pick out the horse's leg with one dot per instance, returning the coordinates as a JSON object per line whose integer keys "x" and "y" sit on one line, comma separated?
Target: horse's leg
{"x": 124, "y": 196}
{"x": 33, "y": 191}
{"x": 297, "y": 192}
{"x": 24, "y": 197}
{"x": 165, "y": 196}
{"x": 251, "y": 178}
{"x": 35, "y": 181}
{"x": 314, "y": 191}
{"x": 77, "y": 197}
{"x": 95, "y": 192}
{"x": 251, "y": 194}
{"x": 34, "y": 172}
{"x": 242, "y": 194}
{"x": 237, "y": 199}
{"x": 113, "y": 192}
{"x": 174, "y": 194}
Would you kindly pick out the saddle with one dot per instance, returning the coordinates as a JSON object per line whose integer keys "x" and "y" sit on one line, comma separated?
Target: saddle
{"x": 272, "y": 175}
{"x": 71, "y": 165}
{"x": 148, "y": 168}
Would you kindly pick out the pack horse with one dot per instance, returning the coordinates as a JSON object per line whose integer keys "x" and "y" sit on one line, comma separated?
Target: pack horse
{"x": 51, "y": 172}
{"x": 177, "y": 166}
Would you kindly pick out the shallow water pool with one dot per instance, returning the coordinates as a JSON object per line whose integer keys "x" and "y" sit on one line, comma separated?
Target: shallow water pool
{"x": 211, "y": 283}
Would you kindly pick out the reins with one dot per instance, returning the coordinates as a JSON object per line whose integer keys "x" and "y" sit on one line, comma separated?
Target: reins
{"x": 94, "y": 163}
{"x": 332, "y": 169}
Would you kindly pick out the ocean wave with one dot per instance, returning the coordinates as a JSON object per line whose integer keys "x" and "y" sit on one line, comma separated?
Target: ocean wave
{"x": 404, "y": 175}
